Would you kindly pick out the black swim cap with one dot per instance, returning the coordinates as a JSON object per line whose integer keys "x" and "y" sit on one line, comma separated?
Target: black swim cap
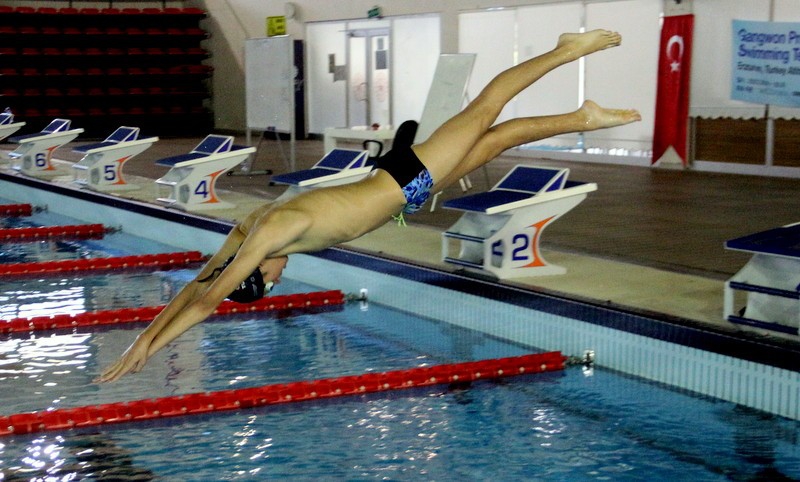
{"x": 251, "y": 289}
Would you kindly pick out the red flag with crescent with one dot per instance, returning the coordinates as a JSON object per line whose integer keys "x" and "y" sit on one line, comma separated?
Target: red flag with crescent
{"x": 672, "y": 97}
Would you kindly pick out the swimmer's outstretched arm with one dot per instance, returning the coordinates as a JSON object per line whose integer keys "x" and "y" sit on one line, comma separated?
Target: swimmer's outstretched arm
{"x": 135, "y": 357}
{"x": 268, "y": 238}
{"x": 270, "y": 235}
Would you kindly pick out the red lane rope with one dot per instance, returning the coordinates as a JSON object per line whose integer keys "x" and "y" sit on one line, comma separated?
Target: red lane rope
{"x": 148, "y": 313}
{"x": 196, "y": 403}
{"x": 36, "y": 233}
{"x": 16, "y": 210}
{"x": 163, "y": 260}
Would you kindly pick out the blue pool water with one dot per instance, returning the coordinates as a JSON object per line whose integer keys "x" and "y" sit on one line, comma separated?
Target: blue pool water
{"x": 571, "y": 425}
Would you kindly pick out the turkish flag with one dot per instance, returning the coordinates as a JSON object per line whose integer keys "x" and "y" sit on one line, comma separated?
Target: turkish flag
{"x": 672, "y": 97}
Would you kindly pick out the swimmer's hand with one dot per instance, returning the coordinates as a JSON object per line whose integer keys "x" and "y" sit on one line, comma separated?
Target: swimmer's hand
{"x": 132, "y": 361}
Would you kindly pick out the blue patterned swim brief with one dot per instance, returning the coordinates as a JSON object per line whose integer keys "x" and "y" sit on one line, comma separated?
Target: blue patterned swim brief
{"x": 417, "y": 192}
{"x": 410, "y": 174}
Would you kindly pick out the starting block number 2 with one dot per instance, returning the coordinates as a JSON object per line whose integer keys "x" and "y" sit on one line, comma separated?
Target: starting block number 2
{"x": 524, "y": 246}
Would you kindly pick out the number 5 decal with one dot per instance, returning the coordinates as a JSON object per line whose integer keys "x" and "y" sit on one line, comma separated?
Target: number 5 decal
{"x": 109, "y": 173}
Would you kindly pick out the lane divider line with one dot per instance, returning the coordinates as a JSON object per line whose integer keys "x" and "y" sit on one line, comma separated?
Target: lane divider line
{"x": 161, "y": 260}
{"x": 148, "y": 313}
{"x": 16, "y": 210}
{"x": 226, "y": 400}
{"x": 46, "y": 232}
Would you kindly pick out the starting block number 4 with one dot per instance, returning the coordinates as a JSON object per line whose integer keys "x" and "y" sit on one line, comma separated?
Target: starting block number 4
{"x": 204, "y": 191}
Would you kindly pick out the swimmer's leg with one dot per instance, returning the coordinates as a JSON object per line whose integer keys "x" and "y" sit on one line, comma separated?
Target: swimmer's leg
{"x": 449, "y": 145}
{"x": 588, "y": 117}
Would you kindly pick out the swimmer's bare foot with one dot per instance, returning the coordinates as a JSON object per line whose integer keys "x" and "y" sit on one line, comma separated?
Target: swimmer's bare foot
{"x": 597, "y": 117}
{"x": 576, "y": 45}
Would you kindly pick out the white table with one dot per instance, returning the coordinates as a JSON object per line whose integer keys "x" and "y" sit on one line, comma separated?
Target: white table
{"x": 362, "y": 133}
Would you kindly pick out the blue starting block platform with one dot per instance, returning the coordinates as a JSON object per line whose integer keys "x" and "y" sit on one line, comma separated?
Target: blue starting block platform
{"x": 101, "y": 167}
{"x": 7, "y": 124}
{"x": 338, "y": 166}
{"x": 770, "y": 281}
{"x": 35, "y": 152}
{"x": 500, "y": 229}
{"x": 190, "y": 184}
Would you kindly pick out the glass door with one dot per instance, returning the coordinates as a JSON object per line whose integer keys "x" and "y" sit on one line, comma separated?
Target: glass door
{"x": 369, "y": 86}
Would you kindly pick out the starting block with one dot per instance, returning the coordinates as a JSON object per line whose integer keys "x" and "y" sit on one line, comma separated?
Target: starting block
{"x": 7, "y": 124}
{"x": 35, "y": 151}
{"x": 101, "y": 166}
{"x": 191, "y": 181}
{"x": 339, "y": 166}
{"x": 770, "y": 281}
{"x": 500, "y": 229}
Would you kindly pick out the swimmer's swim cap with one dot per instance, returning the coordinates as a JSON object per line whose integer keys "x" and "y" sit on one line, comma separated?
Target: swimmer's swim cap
{"x": 252, "y": 288}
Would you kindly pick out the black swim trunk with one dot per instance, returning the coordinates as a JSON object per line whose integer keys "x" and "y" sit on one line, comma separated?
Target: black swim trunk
{"x": 410, "y": 174}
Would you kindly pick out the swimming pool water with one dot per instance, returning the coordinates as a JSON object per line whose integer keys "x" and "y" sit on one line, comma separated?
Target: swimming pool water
{"x": 558, "y": 426}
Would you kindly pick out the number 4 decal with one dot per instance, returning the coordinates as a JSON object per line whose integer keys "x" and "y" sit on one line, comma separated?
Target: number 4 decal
{"x": 202, "y": 188}
{"x": 205, "y": 187}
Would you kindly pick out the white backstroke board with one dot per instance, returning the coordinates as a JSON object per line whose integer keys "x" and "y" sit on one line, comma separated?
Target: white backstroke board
{"x": 447, "y": 93}
{"x": 269, "y": 83}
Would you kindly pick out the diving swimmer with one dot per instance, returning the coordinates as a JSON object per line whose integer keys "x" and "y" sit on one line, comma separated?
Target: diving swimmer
{"x": 255, "y": 252}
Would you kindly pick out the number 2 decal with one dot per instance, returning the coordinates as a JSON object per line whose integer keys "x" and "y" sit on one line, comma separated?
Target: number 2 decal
{"x": 520, "y": 242}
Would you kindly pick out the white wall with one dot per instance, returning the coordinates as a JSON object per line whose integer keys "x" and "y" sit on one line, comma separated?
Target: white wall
{"x": 232, "y": 21}
{"x": 326, "y": 97}
{"x": 627, "y": 76}
{"x": 623, "y": 77}
{"x": 415, "y": 52}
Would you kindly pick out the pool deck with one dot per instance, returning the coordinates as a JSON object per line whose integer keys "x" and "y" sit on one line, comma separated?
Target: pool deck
{"x": 649, "y": 240}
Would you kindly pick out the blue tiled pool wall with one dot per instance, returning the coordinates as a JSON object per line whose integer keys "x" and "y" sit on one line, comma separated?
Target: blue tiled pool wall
{"x": 765, "y": 387}
{"x": 755, "y": 375}
{"x": 176, "y": 228}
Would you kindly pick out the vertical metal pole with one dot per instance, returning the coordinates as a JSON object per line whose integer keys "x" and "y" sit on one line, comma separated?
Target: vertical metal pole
{"x": 293, "y": 87}
{"x": 769, "y": 147}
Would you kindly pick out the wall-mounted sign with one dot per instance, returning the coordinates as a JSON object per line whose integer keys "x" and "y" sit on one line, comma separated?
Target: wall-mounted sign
{"x": 766, "y": 62}
{"x": 276, "y": 26}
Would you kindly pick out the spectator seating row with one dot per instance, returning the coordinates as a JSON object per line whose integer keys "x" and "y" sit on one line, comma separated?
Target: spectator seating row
{"x": 112, "y": 30}
{"x": 58, "y": 14}
{"x": 4, "y": 9}
{"x": 8, "y": 72}
{"x": 94, "y": 56}
{"x": 105, "y": 65}
{"x": 169, "y": 119}
{"x": 98, "y": 92}
{"x": 88, "y": 17}
{"x": 77, "y": 36}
